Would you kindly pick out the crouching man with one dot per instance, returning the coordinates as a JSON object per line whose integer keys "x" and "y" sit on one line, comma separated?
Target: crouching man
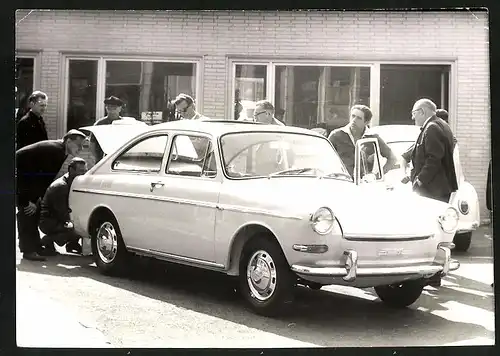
{"x": 55, "y": 220}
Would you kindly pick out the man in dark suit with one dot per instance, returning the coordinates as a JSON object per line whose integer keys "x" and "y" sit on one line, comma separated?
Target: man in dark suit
{"x": 433, "y": 174}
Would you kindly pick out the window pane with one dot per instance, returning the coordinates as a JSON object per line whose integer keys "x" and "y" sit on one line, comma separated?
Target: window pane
{"x": 24, "y": 84}
{"x": 148, "y": 87}
{"x": 145, "y": 156}
{"x": 250, "y": 87}
{"x": 188, "y": 155}
{"x": 82, "y": 93}
{"x": 310, "y": 96}
{"x": 397, "y": 97}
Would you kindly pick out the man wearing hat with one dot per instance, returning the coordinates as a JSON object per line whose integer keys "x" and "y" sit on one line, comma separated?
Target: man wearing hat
{"x": 37, "y": 166}
{"x": 113, "y": 108}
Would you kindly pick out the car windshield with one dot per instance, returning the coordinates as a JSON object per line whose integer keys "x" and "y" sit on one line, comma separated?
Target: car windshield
{"x": 273, "y": 154}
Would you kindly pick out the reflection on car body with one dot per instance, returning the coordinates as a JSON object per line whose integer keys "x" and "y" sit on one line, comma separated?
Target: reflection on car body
{"x": 273, "y": 205}
{"x": 465, "y": 200}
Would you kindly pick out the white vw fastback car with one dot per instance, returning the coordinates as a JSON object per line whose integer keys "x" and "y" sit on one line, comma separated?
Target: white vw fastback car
{"x": 465, "y": 199}
{"x": 273, "y": 205}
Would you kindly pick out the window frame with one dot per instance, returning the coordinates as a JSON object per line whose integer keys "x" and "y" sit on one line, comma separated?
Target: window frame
{"x": 35, "y": 55}
{"x": 191, "y": 134}
{"x": 102, "y": 58}
{"x": 373, "y": 64}
{"x": 135, "y": 143}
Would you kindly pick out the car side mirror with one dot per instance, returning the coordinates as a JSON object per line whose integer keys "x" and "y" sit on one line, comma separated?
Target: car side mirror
{"x": 367, "y": 161}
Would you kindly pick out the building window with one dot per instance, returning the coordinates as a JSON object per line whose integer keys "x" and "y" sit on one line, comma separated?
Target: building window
{"x": 25, "y": 68}
{"x": 148, "y": 87}
{"x": 403, "y": 84}
{"x": 250, "y": 83}
{"x": 309, "y": 96}
{"x": 82, "y": 91}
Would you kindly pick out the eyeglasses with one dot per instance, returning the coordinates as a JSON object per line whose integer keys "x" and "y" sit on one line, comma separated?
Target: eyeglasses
{"x": 255, "y": 114}
{"x": 415, "y": 111}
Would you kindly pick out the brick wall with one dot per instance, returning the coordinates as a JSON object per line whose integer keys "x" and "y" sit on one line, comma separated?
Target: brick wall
{"x": 461, "y": 36}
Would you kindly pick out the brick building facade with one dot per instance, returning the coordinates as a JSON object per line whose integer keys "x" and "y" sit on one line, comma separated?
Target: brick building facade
{"x": 311, "y": 64}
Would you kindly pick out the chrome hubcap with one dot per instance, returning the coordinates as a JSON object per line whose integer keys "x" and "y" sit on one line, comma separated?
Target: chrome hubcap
{"x": 261, "y": 275}
{"x": 107, "y": 242}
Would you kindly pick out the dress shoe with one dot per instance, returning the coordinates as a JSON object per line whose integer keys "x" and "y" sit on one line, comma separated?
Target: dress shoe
{"x": 33, "y": 256}
{"x": 48, "y": 249}
{"x": 74, "y": 247}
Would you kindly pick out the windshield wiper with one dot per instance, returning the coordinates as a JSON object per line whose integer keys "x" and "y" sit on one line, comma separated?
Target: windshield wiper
{"x": 337, "y": 175}
{"x": 293, "y": 171}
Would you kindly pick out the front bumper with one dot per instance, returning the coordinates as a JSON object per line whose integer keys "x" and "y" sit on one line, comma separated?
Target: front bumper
{"x": 467, "y": 226}
{"x": 351, "y": 270}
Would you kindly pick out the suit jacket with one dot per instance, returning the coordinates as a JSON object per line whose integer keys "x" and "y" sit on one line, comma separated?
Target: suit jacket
{"x": 432, "y": 159}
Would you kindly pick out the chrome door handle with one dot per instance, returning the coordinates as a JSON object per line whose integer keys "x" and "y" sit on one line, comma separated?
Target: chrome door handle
{"x": 156, "y": 184}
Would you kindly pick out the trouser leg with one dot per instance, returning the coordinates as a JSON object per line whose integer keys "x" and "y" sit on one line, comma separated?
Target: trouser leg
{"x": 29, "y": 236}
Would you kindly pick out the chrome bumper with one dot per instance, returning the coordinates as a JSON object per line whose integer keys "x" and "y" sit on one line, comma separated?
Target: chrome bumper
{"x": 350, "y": 271}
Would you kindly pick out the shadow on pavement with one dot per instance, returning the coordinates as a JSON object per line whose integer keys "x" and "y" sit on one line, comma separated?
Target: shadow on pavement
{"x": 318, "y": 317}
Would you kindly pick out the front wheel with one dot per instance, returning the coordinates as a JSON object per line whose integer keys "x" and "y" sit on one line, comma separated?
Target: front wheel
{"x": 462, "y": 241}
{"x": 108, "y": 250}
{"x": 266, "y": 281}
{"x": 400, "y": 295}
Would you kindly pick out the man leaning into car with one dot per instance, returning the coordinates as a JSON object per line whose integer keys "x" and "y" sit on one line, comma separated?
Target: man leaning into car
{"x": 344, "y": 139}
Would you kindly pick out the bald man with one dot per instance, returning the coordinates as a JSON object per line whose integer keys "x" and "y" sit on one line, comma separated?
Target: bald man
{"x": 433, "y": 174}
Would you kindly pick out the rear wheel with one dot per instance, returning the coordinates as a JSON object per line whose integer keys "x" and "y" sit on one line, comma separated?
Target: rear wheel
{"x": 266, "y": 281}
{"x": 400, "y": 295}
{"x": 462, "y": 241}
{"x": 108, "y": 250}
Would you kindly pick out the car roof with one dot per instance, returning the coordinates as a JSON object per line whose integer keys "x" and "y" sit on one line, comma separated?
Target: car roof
{"x": 221, "y": 127}
{"x": 397, "y": 133}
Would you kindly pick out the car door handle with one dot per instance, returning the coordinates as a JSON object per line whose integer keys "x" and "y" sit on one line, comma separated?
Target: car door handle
{"x": 156, "y": 184}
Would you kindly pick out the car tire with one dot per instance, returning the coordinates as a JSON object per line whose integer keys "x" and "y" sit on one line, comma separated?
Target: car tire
{"x": 275, "y": 274}
{"x": 400, "y": 295}
{"x": 113, "y": 262}
{"x": 462, "y": 241}
{"x": 314, "y": 285}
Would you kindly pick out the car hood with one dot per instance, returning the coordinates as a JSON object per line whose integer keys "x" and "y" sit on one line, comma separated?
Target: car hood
{"x": 367, "y": 209}
{"x": 112, "y": 137}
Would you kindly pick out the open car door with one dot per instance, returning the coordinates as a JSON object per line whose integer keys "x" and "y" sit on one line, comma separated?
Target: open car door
{"x": 367, "y": 162}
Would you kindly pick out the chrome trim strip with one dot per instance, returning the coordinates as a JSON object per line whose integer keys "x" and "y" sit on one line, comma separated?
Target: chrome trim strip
{"x": 172, "y": 257}
{"x": 241, "y": 209}
{"x": 367, "y": 271}
{"x": 221, "y": 207}
{"x": 148, "y": 197}
{"x": 385, "y": 238}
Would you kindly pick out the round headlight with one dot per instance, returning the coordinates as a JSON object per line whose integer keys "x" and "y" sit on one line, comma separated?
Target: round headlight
{"x": 449, "y": 220}
{"x": 463, "y": 206}
{"x": 322, "y": 221}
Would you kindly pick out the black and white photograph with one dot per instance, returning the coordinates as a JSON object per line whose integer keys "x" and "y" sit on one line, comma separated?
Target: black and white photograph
{"x": 253, "y": 179}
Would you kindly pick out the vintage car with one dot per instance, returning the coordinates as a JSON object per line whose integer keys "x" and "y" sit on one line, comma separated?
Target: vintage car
{"x": 272, "y": 205}
{"x": 465, "y": 200}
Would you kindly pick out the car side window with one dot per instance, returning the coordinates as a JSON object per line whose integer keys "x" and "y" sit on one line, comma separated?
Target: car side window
{"x": 145, "y": 156}
{"x": 191, "y": 156}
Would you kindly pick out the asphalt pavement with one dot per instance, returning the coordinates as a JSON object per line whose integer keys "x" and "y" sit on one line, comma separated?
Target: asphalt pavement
{"x": 159, "y": 305}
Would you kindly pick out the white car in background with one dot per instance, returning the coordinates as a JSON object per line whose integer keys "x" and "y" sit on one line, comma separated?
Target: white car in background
{"x": 272, "y": 205}
{"x": 465, "y": 200}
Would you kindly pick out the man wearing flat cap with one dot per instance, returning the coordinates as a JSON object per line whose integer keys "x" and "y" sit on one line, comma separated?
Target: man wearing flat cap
{"x": 37, "y": 166}
{"x": 113, "y": 108}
